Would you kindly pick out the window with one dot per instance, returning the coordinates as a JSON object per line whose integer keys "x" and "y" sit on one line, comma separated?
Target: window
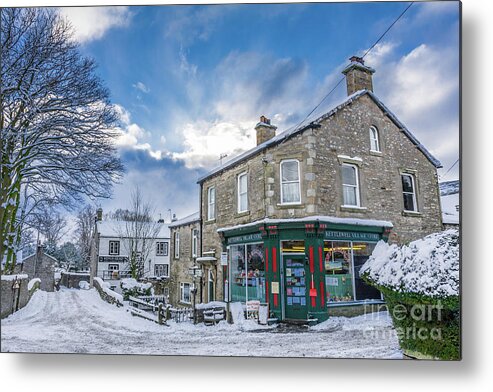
{"x": 350, "y": 185}
{"x": 242, "y": 192}
{"x": 185, "y": 293}
{"x": 409, "y": 192}
{"x": 290, "y": 182}
{"x": 211, "y": 203}
{"x": 195, "y": 242}
{"x": 374, "y": 142}
{"x": 114, "y": 247}
{"x": 161, "y": 249}
{"x": 247, "y": 272}
{"x": 161, "y": 270}
{"x": 113, "y": 267}
{"x": 177, "y": 245}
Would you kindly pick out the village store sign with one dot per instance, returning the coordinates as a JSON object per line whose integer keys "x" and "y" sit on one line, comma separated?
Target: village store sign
{"x": 352, "y": 236}
{"x": 256, "y": 237}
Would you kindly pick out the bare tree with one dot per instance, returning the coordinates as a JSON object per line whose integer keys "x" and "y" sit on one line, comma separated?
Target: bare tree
{"x": 57, "y": 124}
{"x": 84, "y": 231}
{"x": 138, "y": 232}
{"x": 50, "y": 224}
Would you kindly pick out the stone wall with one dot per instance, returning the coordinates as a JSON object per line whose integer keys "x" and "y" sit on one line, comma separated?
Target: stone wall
{"x": 321, "y": 151}
{"x": 41, "y": 266}
{"x": 179, "y": 266}
{"x": 103, "y": 288}
{"x": 11, "y": 298}
{"x": 71, "y": 279}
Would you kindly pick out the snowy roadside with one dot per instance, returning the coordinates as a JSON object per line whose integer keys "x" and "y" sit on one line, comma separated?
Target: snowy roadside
{"x": 78, "y": 321}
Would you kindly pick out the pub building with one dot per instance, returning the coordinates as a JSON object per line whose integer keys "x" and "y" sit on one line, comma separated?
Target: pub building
{"x": 296, "y": 217}
{"x": 300, "y": 267}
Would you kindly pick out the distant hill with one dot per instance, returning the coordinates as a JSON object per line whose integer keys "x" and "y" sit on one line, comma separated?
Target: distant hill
{"x": 449, "y": 187}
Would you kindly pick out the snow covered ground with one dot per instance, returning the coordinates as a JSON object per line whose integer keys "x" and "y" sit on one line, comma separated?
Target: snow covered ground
{"x": 78, "y": 321}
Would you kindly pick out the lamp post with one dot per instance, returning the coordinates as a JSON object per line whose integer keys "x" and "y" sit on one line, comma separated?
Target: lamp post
{"x": 195, "y": 272}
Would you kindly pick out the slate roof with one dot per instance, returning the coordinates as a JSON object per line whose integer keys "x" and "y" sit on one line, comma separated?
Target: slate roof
{"x": 195, "y": 217}
{"x": 316, "y": 122}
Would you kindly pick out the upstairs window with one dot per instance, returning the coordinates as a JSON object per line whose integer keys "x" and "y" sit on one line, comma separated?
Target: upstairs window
{"x": 211, "y": 203}
{"x": 290, "y": 182}
{"x": 409, "y": 192}
{"x": 161, "y": 270}
{"x": 374, "y": 140}
{"x": 195, "y": 242}
{"x": 114, "y": 248}
{"x": 242, "y": 192}
{"x": 162, "y": 249}
{"x": 177, "y": 245}
{"x": 350, "y": 185}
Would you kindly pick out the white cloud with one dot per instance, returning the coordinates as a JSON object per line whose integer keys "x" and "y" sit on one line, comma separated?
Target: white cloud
{"x": 130, "y": 133}
{"x": 91, "y": 23}
{"x": 141, "y": 87}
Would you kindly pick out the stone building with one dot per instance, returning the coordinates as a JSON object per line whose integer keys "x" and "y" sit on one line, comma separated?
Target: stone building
{"x": 40, "y": 265}
{"x": 299, "y": 214}
{"x": 113, "y": 242}
{"x": 185, "y": 248}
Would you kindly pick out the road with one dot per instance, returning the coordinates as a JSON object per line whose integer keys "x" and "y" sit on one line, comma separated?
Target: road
{"x": 78, "y": 321}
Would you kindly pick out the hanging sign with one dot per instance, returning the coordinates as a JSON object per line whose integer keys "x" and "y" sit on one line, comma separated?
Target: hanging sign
{"x": 224, "y": 258}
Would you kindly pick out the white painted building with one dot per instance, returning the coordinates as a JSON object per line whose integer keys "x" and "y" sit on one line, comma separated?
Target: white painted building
{"x": 111, "y": 247}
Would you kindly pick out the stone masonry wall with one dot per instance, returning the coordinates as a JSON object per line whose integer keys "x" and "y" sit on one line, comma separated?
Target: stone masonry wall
{"x": 345, "y": 133}
{"x": 41, "y": 266}
{"x": 71, "y": 280}
{"x": 179, "y": 266}
{"x": 12, "y": 299}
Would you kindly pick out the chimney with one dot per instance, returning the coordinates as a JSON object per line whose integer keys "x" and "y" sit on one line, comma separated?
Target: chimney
{"x": 265, "y": 130}
{"x": 358, "y": 76}
{"x": 173, "y": 219}
{"x": 99, "y": 214}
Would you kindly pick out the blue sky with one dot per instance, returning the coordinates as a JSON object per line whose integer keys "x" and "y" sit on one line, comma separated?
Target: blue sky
{"x": 190, "y": 82}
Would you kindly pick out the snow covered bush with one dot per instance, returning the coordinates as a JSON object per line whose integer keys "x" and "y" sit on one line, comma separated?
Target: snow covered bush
{"x": 83, "y": 285}
{"x": 131, "y": 288}
{"x": 429, "y": 266}
{"x": 420, "y": 282}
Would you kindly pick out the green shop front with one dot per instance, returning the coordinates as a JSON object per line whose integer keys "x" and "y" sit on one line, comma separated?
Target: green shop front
{"x": 300, "y": 267}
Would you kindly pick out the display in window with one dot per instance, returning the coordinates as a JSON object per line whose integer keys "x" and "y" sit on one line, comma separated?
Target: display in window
{"x": 338, "y": 271}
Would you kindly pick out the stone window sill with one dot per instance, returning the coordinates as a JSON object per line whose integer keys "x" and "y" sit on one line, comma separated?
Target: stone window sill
{"x": 287, "y": 206}
{"x": 210, "y": 222}
{"x": 242, "y": 214}
{"x": 376, "y": 153}
{"x": 353, "y": 208}
{"x": 412, "y": 213}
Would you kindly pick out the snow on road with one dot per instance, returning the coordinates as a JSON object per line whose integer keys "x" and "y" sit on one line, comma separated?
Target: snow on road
{"x": 78, "y": 321}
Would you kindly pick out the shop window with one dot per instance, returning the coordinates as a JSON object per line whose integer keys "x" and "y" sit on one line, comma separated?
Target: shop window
{"x": 114, "y": 247}
{"x": 290, "y": 182}
{"x": 350, "y": 185}
{"x": 185, "y": 289}
{"x": 374, "y": 140}
{"x": 361, "y": 253}
{"x": 247, "y": 272}
{"x": 409, "y": 192}
{"x": 211, "y": 203}
{"x": 338, "y": 271}
{"x": 242, "y": 192}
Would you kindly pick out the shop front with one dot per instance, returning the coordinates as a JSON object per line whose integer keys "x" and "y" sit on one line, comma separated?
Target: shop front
{"x": 300, "y": 267}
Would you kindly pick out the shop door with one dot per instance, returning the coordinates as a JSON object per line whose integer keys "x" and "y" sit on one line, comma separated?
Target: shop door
{"x": 296, "y": 287}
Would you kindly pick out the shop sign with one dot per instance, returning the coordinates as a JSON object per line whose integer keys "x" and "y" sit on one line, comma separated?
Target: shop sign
{"x": 329, "y": 281}
{"x": 224, "y": 258}
{"x": 245, "y": 238}
{"x": 113, "y": 259}
{"x": 274, "y": 287}
{"x": 351, "y": 236}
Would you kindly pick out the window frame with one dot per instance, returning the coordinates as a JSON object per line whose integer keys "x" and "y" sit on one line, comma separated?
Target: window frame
{"x": 357, "y": 186}
{"x": 165, "y": 268}
{"x": 374, "y": 140}
{"x": 182, "y": 292}
{"x": 164, "y": 251}
{"x": 211, "y": 211}
{"x": 177, "y": 245}
{"x": 111, "y": 251}
{"x": 413, "y": 193}
{"x": 239, "y": 194}
{"x": 290, "y": 182}
{"x": 195, "y": 242}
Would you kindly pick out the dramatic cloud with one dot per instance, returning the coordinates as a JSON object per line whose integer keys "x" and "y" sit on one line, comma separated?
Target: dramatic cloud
{"x": 91, "y": 23}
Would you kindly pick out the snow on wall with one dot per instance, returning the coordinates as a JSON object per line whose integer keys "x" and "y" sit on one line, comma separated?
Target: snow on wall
{"x": 428, "y": 266}
{"x": 105, "y": 288}
{"x": 131, "y": 283}
{"x": 14, "y": 277}
{"x": 32, "y": 282}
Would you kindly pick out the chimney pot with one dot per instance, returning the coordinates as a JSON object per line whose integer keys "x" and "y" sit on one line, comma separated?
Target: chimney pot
{"x": 265, "y": 130}
{"x": 358, "y": 76}
{"x": 99, "y": 214}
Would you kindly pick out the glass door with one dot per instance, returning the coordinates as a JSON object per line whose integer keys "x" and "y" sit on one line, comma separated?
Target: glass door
{"x": 296, "y": 287}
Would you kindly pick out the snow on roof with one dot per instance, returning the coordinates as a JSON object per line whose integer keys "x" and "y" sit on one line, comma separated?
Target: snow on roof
{"x": 315, "y": 123}
{"x": 321, "y": 218}
{"x": 185, "y": 221}
{"x": 428, "y": 266}
{"x": 114, "y": 228}
{"x": 449, "y": 187}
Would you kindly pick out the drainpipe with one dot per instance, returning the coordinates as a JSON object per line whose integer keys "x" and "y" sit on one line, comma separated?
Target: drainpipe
{"x": 200, "y": 235}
